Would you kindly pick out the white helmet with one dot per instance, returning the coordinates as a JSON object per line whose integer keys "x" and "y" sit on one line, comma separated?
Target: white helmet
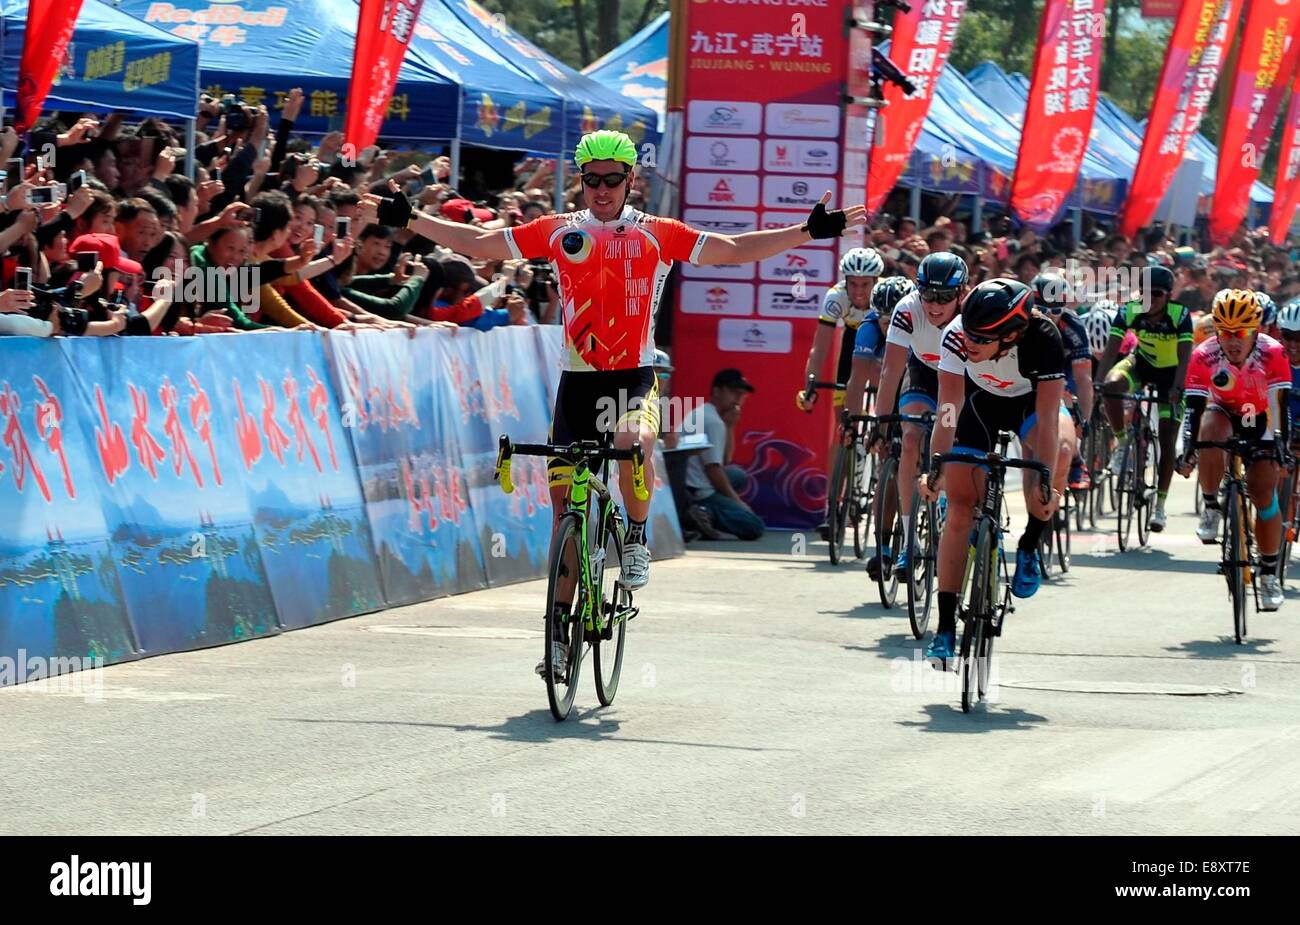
{"x": 861, "y": 261}
{"x": 1288, "y": 318}
{"x": 1098, "y": 322}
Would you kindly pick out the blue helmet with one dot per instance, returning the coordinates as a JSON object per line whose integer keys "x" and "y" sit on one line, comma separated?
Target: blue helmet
{"x": 943, "y": 270}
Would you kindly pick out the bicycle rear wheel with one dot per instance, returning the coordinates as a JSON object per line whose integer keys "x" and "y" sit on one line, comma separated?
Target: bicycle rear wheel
{"x": 922, "y": 549}
{"x": 1063, "y": 536}
{"x": 865, "y": 493}
{"x": 1045, "y": 543}
{"x": 838, "y": 504}
{"x": 892, "y": 539}
{"x": 615, "y": 602}
{"x": 562, "y": 685}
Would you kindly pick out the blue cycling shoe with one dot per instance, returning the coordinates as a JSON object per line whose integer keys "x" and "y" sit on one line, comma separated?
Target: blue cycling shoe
{"x": 1029, "y": 574}
{"x": 942, "y": 649}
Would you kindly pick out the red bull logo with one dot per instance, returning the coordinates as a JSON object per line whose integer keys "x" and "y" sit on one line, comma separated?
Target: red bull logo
{"x": 516, "y": 115}
{"x": 539, "y": 121}
{"x": 488, "y": 117}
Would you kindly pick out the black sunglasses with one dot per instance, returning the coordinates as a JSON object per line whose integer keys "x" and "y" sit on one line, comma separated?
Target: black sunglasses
{"x": 611, "y": 180}
{"x": 930, "y": 294}
{"x": 1157, "y": 293}
{"x": 978, "y": 340}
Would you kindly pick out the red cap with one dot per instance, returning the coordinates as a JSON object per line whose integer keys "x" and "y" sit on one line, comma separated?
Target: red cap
{"x": 109, "y": 250}
{"x": 455, "y": 210}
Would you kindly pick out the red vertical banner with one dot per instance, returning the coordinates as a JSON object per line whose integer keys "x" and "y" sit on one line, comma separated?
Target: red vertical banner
{"x": 1264, "y": 67}
{"x": 1196, "y": 55}
{"x": 1288, "y": 170}
{"x": 763, "y": 91}
{"x": 384, "y": 29}
{"x": 920, "y": 45}
{"x": 1058, "y": 117}
{"x": 45, "y": 41}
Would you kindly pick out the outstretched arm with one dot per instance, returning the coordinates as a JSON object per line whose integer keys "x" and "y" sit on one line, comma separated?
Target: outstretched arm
{"x": 468, "y": 240}
{"x": 758, "y": 245}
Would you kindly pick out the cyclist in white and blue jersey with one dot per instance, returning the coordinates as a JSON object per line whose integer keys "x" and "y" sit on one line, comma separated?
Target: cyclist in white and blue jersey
{"x": 1052, "y": 298}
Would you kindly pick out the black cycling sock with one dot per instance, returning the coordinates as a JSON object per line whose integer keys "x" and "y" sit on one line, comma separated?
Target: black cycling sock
{"x": 1268, "y": 564}
{"x": 635, "y": 532}
{"x": 1211, "y": 501}
{"x": 1033, "y": 533}
{"x": 947, "y": 611}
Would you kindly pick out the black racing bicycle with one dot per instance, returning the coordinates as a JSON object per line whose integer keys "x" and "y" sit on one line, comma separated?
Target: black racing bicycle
{"x": 1138, "y": 478}
{"x": 1238, "y": 563}
{"x": 921, "y": 542}
{"x": 586, "y": 556}
{"x": 848, "y": 498}
{"x": 986, "y": 584}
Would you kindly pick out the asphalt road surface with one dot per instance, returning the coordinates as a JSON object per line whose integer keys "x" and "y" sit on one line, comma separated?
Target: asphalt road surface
{"x": 764, "y": 691}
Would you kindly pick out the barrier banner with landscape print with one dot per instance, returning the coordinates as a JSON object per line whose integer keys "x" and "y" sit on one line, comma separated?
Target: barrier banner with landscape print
{"x": 172, "y": 487}
{"x": 298, "y": 471}
{"x": 397, "y": 414}
{"x": 60, "y": 588}
{"x": 1197, "y": 51}
{"x": 1058, "y": 117}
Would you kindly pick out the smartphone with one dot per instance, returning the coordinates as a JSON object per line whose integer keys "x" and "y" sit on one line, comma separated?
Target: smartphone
{"x": 13, "y": 172}
{"x": 23, "y": 278}
{"x": 215, "y": 174}
{"x": 146, "y": 287}
{"x": 42, "y": 195}
{"x": 249, "y": 215}
{"x": 76, "y": 181}
{"x": 428, "y": 177}
{"x": 318, "y": 235}
{"x": 343, "y": 227}
{"x": 86, "y": 261}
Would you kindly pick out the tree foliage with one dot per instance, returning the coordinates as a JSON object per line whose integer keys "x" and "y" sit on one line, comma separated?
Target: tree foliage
{"x": 577, "y": 31}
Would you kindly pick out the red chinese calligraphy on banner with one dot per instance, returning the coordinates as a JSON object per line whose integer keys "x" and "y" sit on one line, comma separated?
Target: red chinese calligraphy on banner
{"x": 175, "y": 433}
{"x": 1058, "y": 117}
{"x": 1197, "y": 51}
{"x": 49, "y": 425}
{"x": 109, "y": 442}
{"x": 920, "y": 45}
{"x": 250, "y": 442}
{"x": 16, "y": 442}
{"x": 147, "y": 449}
{"x": 1264, "y": 67}
{"x": 201, "y": 421}
{"x": 48, "y": 30}
{"x": 384, "y": 29}
{"x": 1287, "y": 188}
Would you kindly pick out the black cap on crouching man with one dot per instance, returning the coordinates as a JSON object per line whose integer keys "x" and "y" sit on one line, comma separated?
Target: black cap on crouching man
{"x": 731, "y": 379}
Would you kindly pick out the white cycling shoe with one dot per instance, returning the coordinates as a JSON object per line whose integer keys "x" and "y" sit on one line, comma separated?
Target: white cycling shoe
{"x": 1270, "y": 592}
{"x": 559, "y": 657}
{"x": 1207, "y": 531}
{"x": 636, "y": 566}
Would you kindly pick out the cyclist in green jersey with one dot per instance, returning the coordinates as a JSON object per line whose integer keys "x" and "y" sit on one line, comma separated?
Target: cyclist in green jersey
{"x": 1164, "y": 334}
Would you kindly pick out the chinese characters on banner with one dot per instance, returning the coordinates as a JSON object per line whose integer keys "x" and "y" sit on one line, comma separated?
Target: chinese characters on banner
{"x": 383, "y": 32}
{"x": 1058, "y": 119}
{"x": 1265, "y": 64}
{"x": 1288, "y": 170}
{"x": 45, "y": 41}
{"x": 1197, "y": 51}
{"x": 920, "y": 45}
{"x": 763, "y": 142}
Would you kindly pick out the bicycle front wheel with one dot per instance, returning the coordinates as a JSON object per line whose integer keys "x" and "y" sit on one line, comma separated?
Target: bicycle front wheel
{"x": 889, "y": 541}
{"x": 977, "y": 635}
{"x": 922, "y": 552}
{"x": 1148, "y": 482}
{"x": 615, "y": 604}
{"x": 840, "y": 500}
{"x": 566, "y": 567}
{"x": 1063, "y": 536}
{"x": 1234, "y": 567}
{"x": 1125, "y": 496}
{"x": 864, "y": 491}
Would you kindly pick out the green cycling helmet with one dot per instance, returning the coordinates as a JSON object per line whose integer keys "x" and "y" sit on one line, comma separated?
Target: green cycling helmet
{"x": 605, "y": 146}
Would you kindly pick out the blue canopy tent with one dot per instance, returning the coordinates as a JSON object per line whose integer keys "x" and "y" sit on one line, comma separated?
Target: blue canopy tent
{"x": 261, "y": 49}
{"x": 113, "y": 62}
{"x": 500, "y": 106}
{"x": 588, "y": 105}
{"x": 639, "y": 67}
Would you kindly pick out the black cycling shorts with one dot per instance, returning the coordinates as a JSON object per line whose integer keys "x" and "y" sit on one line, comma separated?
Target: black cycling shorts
{"x": 589, "y": 405}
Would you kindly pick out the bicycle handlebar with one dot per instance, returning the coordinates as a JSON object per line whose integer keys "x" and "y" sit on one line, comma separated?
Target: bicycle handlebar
{"x": 582, "y": 450}
{"x": 995, "y": 460}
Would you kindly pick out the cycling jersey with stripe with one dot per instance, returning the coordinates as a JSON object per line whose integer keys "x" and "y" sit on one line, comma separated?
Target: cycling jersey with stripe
{"x": 910, "y": 327}
{"x": 1240, "y": 389}
{"x": 610, "y": 277}
{"x": 837, "y": 307}
{"x": 1158, "y": 333}
{"x": 1038, "y": 356}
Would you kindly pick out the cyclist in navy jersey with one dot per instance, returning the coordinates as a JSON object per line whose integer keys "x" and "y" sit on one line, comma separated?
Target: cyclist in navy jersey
{"x": 1052, "y": 297}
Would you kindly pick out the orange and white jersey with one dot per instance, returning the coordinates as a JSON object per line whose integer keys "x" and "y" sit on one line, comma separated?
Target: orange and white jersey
{"x": 610, "y": 277}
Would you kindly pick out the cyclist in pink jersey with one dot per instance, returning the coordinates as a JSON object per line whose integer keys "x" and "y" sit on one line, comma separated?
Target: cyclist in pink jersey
{"x": 611, "y": 263}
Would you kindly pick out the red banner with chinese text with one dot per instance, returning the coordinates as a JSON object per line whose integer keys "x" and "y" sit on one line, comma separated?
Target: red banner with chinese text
{"x": 1197, "y": 51}
{"x": 1264, "y": 66}
{"x": 1288, "y": 170}
{"x": 1058, "y": 117}
{"x": 49, "y": 29}
{"x": 384, "y": 30}
{"x": 920, "y": 45}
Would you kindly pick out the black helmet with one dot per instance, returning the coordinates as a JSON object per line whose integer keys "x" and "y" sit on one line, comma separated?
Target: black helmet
{"x": 1158, "y": 278}
{"x": 997, "y": 309}
{"x": 888, "y": 292}
{"x": 1051, "y": 290}
{"x": 942, "y": 270}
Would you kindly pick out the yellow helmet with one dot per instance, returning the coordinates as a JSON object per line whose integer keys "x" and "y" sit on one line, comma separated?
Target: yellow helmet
{"x": 1236, "y": 310}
